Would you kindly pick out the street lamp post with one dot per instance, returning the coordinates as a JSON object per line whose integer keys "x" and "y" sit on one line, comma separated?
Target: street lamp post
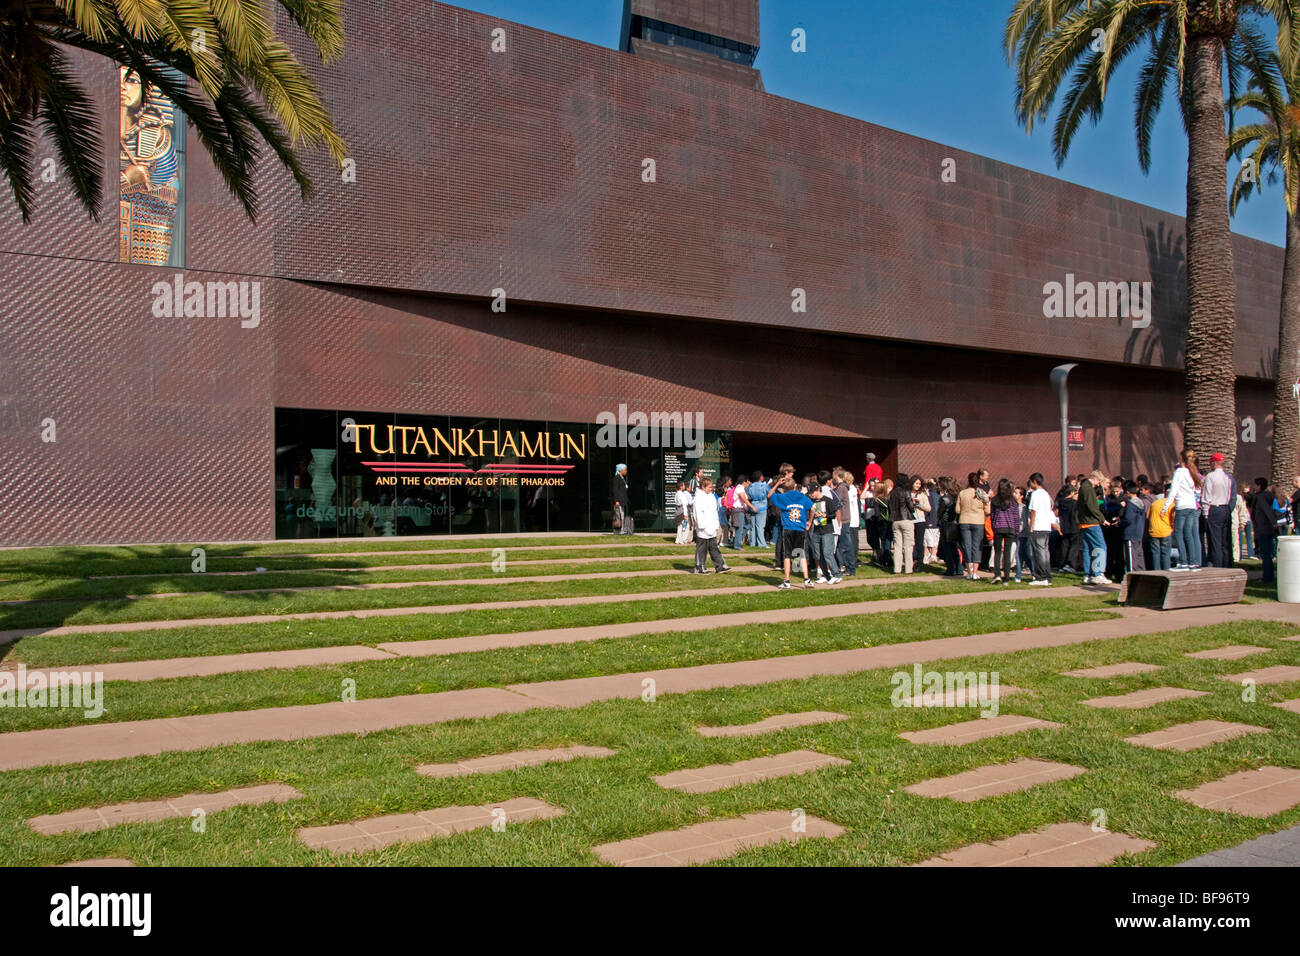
{"x": 1058, "y": 377}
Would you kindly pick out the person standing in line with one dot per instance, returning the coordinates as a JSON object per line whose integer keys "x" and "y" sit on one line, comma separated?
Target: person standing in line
{"x": 847, "y": 492}
{"x": 825, "y": 512}
{"x": 1005, "y": 514}
{"x": 827, "y": 481}
{"x": 872, "y": 472}
{"x": 1091, "y": 520}
{"x": 885, "y": 520}
{"x": 1218, "y": 495}
{"x": 758, "y": 491}
{"x": 972, "y": 509}
{"x": 682, "y": 503}
{"x": 1023, "y": 558}
{"x": 707, "y": 529}
{"x": 779, "y": 483}
{"x": 1067, "y": 503}
{"x": 740, "y": 508}
{"x": 726, "y": 495}
{"x": 696, "y": 479}
{"x": 949, "y": 530}
{"x": 921, "y": 520}
{"x": 868, "y": 512}
{"x": 1160, "y": 531}
{"x": 1240, "y": 534}
{"x": 622, "y": 500}
{"x": 1041, "y": 523}
{"x": 906, "y": 502}
{"x": 795, "y": 511}
{"x": 1132, "y": 525}
{"x": 1182, "y": 499}
{"x": 1267, "y": 528}
{"x": 931, "y": 552}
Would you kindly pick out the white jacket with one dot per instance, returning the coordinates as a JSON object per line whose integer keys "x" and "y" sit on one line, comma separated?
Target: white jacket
{"x": 706, "y": 515}
{"x": 1182, "y": 492}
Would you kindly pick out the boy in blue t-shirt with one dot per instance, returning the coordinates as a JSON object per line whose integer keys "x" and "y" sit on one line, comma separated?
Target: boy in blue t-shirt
{"x": 795, "y": 509}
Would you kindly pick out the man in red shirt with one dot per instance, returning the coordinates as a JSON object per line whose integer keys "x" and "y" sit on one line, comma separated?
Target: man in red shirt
{"x": 873, "y": 471}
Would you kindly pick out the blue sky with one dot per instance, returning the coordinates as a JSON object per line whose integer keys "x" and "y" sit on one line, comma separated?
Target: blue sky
{"x": 864, "y": 60}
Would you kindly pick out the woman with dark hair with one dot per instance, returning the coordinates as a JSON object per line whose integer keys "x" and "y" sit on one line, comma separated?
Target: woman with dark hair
{"x": 949, "y": 531}
{"x": 972, "y": 507}
{"x": 1264, "y": 518}
{"x": 1005, "y": 511}
{"x": 906, "y": 501}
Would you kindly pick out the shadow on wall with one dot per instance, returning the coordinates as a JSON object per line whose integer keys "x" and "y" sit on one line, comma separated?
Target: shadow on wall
{"x": 1167, "y": 264}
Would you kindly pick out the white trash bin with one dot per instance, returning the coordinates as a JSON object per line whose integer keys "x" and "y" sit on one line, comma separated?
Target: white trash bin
{"x": 1288, "y": 569}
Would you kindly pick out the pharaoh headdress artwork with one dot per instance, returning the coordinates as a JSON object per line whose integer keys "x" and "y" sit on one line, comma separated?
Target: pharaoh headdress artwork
{"x": 150, "y": 182}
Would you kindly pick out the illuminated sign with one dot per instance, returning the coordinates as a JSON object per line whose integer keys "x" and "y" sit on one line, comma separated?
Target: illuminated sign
{"x": 558, "y": 452}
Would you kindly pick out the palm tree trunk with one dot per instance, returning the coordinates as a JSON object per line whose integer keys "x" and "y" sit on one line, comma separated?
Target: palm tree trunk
{"x": 1211, "y": 418}
{"x": 1286, "y": 427}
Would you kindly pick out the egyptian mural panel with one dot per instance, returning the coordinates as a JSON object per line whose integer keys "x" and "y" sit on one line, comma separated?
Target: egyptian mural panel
{"x": 152, "y": 176}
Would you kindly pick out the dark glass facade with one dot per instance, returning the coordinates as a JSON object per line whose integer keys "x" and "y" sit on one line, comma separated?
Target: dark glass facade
{"x": 361, "y": 474}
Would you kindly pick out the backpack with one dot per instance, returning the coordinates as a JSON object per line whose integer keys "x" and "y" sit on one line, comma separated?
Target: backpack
{"x": 729, "y": 499}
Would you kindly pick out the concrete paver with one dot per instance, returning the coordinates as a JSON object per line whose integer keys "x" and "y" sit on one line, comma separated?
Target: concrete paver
{"x": 1114, "y": 670}
{"x": 89, "y": 819}
{"x": 771, "y": 724}
{"x": 969, "y": 731}
{"x": 1232, "y": 652}
{"x": 717, "y": 840}
{"x": 493, "y": 763}
{"x": 722, "y": 776}
{"x": 1062, "y": 844}
{"x": 1277, "y": 674}
{"x": 1251, "y": 793}
{"x": 1194, "y": 735}
{"x": 377, "y": 832}
{"x": 995, "y": 779}
{"x": 1139, "y": 699}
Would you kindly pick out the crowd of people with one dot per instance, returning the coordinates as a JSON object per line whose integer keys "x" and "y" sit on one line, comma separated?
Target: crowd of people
{"x": 1096, "y": 525}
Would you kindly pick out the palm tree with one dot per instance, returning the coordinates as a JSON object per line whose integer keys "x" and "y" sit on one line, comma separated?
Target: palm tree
{"x": 248, "y": 87}
{"x": 1072, "y": 47}
{"x": 1274, "y": 146}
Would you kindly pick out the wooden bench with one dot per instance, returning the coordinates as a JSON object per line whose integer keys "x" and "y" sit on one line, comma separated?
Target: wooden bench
{"x": 1169, "y": 590}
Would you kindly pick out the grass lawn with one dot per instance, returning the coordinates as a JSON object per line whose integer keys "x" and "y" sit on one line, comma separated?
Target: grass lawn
{"x": 349, "y": 777}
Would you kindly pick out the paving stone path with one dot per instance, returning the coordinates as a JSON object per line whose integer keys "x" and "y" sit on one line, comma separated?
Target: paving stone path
{"x": 89, "y": 819}
{"x": 315, "y": 657}
{"x": 492, "y": 763}
{"x": 1140, "y": 699}
{"x": 1230, "y": 653}
{"x": 995, "y": 779}
{"x": 770, "y": 724}
{"x": 377, "y": 832}
{"x": 100, "y": 861}
{"x": 968, "y": 731}
{"x": 115, "y": 740}
{"x": 1194, "y": 735}
{"x": 1251, "y": 793}
{"x": 1062, "y": 844}
{"x": 703, "y": 842}
{"x": 1278, "y": 674}
{"x": 723, "y": 776}
{"x": 1107, "y": 671}
{"x": 15, "y": 634}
